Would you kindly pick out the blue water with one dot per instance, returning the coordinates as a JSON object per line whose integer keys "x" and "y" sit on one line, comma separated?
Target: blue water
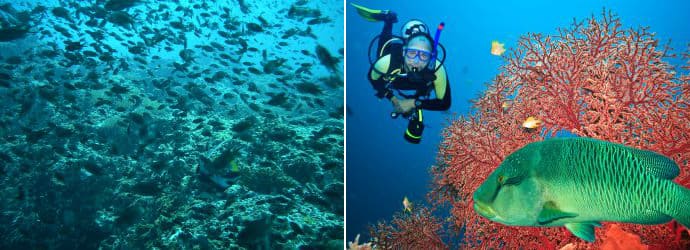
{"x": 381, "y": 167}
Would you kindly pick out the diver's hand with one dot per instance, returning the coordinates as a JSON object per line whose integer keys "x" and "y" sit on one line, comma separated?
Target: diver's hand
{"x": 396, "y": 105}
{"x": 406, "y": 105}
{"x": 402, "y": 106}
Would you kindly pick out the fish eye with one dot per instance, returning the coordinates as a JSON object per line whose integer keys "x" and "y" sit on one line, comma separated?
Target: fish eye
{"x": 501, "y": 178}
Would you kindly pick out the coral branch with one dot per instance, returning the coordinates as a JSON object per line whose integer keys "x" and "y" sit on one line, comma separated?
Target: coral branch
{"x": 418, "y": 230}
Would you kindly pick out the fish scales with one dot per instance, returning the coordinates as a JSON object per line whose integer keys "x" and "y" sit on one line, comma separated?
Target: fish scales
{"x": 604, "y": 177}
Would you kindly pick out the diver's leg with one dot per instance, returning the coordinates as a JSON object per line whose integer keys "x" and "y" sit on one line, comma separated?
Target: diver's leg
{"x": 389, "y": 18}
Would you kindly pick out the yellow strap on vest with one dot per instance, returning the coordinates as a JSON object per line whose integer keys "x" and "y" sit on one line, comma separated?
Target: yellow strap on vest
{"x": 440, "y": 82}
{"x": 386, "y": 44}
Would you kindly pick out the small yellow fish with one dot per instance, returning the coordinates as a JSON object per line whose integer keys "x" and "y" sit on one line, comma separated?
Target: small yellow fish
{"x": 497, "y": 48}
{"x": 531, "y": 123}
{"x": 407, "y": 204}
{"x": 506, "y": 104}
{"x": 234, "y": 167}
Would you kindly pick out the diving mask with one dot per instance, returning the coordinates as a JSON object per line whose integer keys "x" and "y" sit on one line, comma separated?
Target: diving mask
{"x": 422, "y": 55}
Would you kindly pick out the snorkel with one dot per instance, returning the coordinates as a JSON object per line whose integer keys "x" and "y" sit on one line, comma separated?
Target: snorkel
{"x": 434, "y": 50}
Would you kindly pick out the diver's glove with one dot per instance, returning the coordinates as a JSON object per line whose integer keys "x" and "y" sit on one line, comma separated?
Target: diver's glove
{"x": 421, "y": 77}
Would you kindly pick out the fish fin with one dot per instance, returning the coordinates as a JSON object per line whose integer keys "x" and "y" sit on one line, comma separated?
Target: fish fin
{"x": 220, "y": 181}
{"x": 682, "y": 214}
{"x": 583, "y": 231}
{"x": 653, "y": 163}
{"x": 203, "y": 162}
{"x": 659, "y": 165}
{"x": 551, "y": 212}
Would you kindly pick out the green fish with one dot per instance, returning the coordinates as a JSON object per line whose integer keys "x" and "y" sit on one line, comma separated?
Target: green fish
{"x": 580, "y": 182}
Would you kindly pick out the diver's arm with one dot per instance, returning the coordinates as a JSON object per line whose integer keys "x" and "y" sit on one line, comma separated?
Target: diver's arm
{"x": 380, "y": 87}
{"x": 437, "y": 104}
{"x": 376, "y": 78}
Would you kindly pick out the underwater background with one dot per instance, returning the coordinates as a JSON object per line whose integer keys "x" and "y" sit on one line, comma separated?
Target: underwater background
{"x": 382, "y": 167}
{"x": 136, "y": 124}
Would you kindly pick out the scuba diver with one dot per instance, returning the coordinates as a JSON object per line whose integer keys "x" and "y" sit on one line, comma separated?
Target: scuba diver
{"x": 407, "y": 70}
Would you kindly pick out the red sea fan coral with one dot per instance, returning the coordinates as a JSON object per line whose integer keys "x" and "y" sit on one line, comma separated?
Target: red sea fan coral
{"x": 595, "y": 80}
{"x": 416, "y": 230}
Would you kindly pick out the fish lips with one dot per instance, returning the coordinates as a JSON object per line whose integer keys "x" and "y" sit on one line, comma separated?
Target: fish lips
{"x": 484, "y": 210}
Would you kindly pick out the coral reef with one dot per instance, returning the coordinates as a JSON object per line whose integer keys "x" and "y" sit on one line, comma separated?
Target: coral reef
{"x": 132, "y": 124}
{"x": 354, "y": 245}
{"x": 416, "y": 230}
{"x": 594, "y": 79}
